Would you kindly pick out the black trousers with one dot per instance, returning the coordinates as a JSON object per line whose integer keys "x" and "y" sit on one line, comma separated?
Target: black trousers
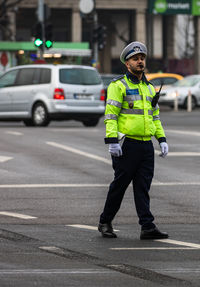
{"x": 136, "y": 165}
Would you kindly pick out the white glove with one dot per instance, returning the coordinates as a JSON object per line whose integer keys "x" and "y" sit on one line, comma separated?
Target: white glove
{"x": 164, "y": 149}
{"x": 115, "y": 149}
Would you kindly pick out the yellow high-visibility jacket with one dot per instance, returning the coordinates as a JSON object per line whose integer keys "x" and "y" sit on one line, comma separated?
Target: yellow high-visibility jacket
{"x": 129, "y": 110}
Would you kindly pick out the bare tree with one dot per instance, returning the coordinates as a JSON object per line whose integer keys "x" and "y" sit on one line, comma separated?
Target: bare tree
{"x": 185, "y": 32}
{"x": 5, "y": 7}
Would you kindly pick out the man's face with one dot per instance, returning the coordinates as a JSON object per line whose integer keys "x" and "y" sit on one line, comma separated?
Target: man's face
{"x": 136, "y": 64}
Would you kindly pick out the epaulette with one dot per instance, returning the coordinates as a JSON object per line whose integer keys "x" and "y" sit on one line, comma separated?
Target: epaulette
{"x": 117, "y": 78}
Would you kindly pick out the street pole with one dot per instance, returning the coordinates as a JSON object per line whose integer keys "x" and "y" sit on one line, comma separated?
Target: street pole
{"x": 40, "y": 14}
{"x": 95, "y": 48}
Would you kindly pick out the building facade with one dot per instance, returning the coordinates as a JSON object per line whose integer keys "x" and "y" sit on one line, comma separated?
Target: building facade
{"x": 126, "y": 21}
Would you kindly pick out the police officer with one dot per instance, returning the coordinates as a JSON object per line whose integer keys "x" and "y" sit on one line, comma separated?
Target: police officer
{"x": 132, "y": 112}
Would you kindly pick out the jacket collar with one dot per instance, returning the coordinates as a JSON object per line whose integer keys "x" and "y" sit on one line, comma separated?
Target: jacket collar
{"x": 134, "y": 79}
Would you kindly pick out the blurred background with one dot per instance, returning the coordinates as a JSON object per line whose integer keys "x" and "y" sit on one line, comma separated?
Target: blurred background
{"x": 94, "y": 32}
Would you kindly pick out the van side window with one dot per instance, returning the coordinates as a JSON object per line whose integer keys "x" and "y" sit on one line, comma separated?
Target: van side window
{"x": 25, "y": 77}
{"x": 8, "y": 79}
{"x": 45, "y": 76}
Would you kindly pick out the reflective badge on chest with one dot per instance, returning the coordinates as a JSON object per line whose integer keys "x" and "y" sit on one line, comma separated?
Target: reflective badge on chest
{"x": 130, "y": 105}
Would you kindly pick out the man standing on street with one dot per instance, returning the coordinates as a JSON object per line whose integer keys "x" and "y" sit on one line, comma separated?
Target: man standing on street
{"x": 133, "y": 113}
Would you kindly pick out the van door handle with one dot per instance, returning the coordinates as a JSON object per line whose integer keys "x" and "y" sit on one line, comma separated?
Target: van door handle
{"x": 33, "y": 91}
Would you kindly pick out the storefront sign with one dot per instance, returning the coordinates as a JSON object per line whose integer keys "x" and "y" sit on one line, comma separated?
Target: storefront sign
{"x": 196, "y": 7}
{"x": 174, "y": 7}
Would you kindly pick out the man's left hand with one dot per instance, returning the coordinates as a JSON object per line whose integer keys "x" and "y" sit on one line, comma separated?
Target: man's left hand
{"x": 164, "y": 149}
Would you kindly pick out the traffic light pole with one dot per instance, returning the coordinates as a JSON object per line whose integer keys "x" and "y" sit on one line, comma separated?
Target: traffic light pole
{"x": 40, "y": 14}
{"x": 95, "y": 48}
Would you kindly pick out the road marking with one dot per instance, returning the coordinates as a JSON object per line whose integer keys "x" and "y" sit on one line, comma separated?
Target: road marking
{"x": 56, "y": 271}
{"x": 184, "y": 132}
{"x": 176, "y": 242}
{"x": 175, "y": 183}
{"x": 50, "y": 248}
{"x": 77, "y": 151}
{"x": 18, "y": 215}
{"x": 151, "y": 248}
{"x": 182, "y": 153}
{"x": 90, "y": 185}
{"x": 53, "y": 185}
{"x": 74, "y": 130}
{"x": 14, "y": 133}
{"x": 85, "y": 227}
{"x": 90, "y": 155}
{"x": 178, "y": 270}
{"x": 187, "y": 246}
{"x": 4, "y": 158}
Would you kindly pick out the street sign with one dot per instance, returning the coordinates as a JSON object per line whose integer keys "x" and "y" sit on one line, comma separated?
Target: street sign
{"x": 86, "y": 6}
{"x": 171, "y": 6}
{"x": 4, "y": 59}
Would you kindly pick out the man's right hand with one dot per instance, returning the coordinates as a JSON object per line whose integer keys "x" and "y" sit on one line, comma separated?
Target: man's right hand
{"x": 115, "y": 149}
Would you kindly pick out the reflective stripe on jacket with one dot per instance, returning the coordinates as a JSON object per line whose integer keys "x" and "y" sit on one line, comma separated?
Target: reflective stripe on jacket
{"x": 129, "y": 111}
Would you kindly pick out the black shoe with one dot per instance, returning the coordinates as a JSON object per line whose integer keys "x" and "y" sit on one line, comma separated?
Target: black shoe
{"x": 106, "y": 230}
{"x": 154, "y": 233}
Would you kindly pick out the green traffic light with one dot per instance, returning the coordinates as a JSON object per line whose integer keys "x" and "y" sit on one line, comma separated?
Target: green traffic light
{"x": 48, "y": 44}
{"x": 38, "y": 42}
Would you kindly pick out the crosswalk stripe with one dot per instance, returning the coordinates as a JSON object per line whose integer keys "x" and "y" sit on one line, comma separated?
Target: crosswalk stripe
{"x": 18, "y": 215}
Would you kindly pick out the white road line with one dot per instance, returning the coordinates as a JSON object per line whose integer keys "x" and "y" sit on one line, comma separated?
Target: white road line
{"x": 5, "y": 158}
{"x": 77, "y": 151}
{"x": 183, "y": 132}
{"x": 99, "y": 158}
{"x": 89, "y": 227}
{"x": 56, "y": 271}
{"x": 182, "y": 243}
{"x": 82, "y": 226}
{"x": 175, "y": 183}
{"x": 18, "y": 215}
{"x": 151, "y": 248}
{"x": 49, "y": 185}
{"x": 181, "y": 153}
{"x": 50, "y": 248}
{"x": 178, "y": 270}
{"x": 90, "y": 185}
{"x": 186, "y": 246}
{"x": 14, "y": 133}
{"x": 67, "y": 130}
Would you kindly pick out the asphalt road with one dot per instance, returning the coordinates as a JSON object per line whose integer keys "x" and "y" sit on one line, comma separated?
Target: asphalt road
{"x": 53, "y": 184}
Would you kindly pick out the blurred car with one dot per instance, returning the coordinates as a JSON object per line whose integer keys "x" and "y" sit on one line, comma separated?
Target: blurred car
{"x": 181, "y": 89}
{"x": 166, "y": 79}
{"x": 40, "y": 93}
{"x": 107, "y": 79}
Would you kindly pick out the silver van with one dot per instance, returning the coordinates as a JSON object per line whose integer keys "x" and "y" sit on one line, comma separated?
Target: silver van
{"x": 37, "y": 94}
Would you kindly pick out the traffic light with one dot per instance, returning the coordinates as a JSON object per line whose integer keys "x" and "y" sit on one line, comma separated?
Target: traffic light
{"x": 48, "y": 36}
{"x": 102, "y": 37}
{"x": 38, "y": 42}
{"x": 99, "y": 36}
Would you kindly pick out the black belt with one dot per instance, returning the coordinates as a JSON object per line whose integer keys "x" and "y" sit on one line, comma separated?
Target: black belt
{"x": 136, "y": 141}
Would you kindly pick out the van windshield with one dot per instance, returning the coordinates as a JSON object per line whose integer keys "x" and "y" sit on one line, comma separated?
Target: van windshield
{"x": 78, "y": 76}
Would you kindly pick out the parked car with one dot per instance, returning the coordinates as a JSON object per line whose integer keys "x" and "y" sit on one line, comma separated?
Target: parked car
{"x": 166, "y": 79}
{"x": 38, "y": 94}
{"x": 107, "y": 79}
{"x": 181, "y": 88}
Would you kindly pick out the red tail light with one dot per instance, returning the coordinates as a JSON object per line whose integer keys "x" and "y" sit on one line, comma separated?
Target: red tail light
{"x": 59, "y": 94}
{"x": 102, "y": 95}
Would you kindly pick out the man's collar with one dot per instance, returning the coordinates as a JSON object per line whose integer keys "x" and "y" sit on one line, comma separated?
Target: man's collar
{"x": 135, "y": 79}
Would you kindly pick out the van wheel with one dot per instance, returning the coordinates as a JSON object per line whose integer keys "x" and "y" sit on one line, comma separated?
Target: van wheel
{"x": 90, "y": 122}
{"x": 40, "y": 115}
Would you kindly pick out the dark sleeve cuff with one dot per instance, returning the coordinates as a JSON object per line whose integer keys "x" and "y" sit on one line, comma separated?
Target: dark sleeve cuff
{"x": 160, "y": 140}
{"x": 110, "y": 140}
